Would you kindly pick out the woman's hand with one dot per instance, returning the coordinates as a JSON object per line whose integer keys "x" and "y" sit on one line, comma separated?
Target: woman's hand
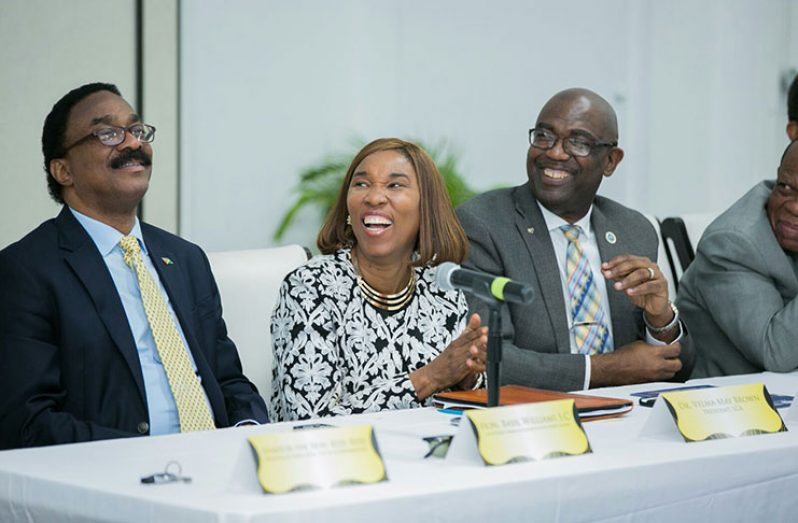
{"x": 458, "y": 365}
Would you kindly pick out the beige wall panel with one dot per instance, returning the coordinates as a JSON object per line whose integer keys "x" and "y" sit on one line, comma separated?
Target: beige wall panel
{"x": 161, "y": 110}
{"x": 48, "y": 47}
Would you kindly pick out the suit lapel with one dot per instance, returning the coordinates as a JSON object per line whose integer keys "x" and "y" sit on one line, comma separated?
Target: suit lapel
{"x": 173, "y": 278}
{"x": 177, "y": 282}
{"x": 532, "y": 227}
{"x": 610, "y": 244}
{"x": 82, "y": 256}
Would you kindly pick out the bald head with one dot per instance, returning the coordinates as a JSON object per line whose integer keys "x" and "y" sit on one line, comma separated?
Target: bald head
{"x": 587, "y": 105}
{"x": 577, "y": 148}
{"x": 783, "y": 202}
{"x": 790, "y": 147}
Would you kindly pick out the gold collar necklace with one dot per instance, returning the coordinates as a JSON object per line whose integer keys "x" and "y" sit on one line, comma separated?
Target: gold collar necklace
{"x": 387, "y": 302}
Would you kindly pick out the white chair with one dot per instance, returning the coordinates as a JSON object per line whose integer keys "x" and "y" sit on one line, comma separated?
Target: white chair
{"x": 248, "y": 283}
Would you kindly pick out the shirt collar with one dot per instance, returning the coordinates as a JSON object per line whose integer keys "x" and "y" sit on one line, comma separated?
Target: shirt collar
{"x": 554, "y": 222}
{"x": 104, "y": 236}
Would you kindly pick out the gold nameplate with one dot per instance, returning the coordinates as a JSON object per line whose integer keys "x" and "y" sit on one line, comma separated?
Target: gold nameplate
{"x": 723, "y": 412}
{"x": 317, "y": 459}
{"x": 529, "y": 432}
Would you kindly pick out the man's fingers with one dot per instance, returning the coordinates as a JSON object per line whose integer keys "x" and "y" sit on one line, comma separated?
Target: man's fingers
{"x": 641, "y": 268}
{"x": 669, "y": 368}
{"x": 670, "y": 351}
{"x": 669, "y": 363}
{"x": 646, "y": 288}
{"x": 617, "y": 260}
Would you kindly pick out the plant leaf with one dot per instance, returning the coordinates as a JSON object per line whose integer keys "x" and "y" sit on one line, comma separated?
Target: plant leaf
{"x": 319, "y": 184}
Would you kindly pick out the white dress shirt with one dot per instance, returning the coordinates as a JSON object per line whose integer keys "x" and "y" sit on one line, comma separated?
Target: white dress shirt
{"x": 160, "y": 401}
{"x": 587, "y": 241}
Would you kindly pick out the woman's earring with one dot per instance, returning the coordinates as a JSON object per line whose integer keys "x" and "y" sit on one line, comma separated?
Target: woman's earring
{"x": 348, "y": 220}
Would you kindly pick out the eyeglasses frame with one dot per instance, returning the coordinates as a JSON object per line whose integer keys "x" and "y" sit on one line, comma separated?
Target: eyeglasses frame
{"x": 125, "y": 132}
{"x": 593, "y": 146}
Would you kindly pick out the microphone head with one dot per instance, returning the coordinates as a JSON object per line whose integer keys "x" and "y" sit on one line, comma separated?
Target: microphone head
{"x": 443, "y": 276}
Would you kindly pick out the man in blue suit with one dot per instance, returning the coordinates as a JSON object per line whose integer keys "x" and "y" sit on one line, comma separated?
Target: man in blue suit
{"x": 79, "y": 359}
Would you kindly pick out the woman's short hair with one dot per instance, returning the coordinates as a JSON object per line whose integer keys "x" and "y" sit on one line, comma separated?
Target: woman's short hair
{"x": 440, "y": 237}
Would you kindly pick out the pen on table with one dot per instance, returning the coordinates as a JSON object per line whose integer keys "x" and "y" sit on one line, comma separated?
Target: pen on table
{"x": 451, "y": 411}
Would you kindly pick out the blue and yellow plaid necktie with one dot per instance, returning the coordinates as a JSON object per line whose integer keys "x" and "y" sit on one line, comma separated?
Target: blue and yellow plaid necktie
{"x": 192, "y": 408}
{"x": 587, "y": 312}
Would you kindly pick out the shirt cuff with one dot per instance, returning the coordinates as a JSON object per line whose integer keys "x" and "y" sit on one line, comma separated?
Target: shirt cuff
{"x": 651, "y": 340}
{"x": 246, "y": 422}
{"x": 587, "y": 373}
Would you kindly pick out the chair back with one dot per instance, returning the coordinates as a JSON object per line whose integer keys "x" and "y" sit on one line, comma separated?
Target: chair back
{"x": 248, "y": 283}
{"x": 663, "y": 260}
{"x": 681, "y": 235}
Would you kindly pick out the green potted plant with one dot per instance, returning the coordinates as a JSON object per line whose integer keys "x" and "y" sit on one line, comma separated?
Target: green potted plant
{"x": 319, "y": 184}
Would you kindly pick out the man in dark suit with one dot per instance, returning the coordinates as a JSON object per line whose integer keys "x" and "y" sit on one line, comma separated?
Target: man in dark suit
{"x": 602, "y": 314}
{"x": 97, "y": 341}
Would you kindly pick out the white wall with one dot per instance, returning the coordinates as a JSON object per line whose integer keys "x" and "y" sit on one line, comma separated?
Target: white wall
{"x": 270, "y": 87}
{"x": 160, "y": 84}
{"x": 717, "y": 119}
{"x": 47, "y": 48}
{"x": 40, "y": 61}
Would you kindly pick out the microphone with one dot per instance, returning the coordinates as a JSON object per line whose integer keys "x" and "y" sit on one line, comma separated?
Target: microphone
{"x": 486, "y": 286}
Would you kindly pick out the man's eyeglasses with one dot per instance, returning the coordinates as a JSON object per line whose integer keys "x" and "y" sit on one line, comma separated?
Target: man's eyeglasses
{"x": 112, "y": 136}
{"x": 573, "y": 145}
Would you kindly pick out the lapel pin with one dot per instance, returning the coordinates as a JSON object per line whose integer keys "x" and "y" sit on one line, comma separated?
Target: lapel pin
{"x": 530, "y": 230}
{"x": 610, "y": 237}
{"x": 167, "y": 261}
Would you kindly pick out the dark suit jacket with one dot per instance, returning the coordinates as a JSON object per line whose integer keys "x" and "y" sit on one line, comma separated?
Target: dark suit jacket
{"x": 508, "y": 236}
{"x": 69, "y": 368}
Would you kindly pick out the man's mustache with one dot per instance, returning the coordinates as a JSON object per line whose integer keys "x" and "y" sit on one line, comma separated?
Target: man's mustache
{"x": 131, "y": 154}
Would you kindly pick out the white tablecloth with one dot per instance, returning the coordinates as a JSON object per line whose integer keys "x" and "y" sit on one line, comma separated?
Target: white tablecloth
{"x": 626, "y": 478}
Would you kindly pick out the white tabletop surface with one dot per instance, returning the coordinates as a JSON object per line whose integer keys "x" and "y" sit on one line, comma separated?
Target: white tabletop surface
{"x": 626, "y": 478}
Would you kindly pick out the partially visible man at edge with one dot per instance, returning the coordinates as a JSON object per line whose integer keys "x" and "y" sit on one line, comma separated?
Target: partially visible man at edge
{"x": 110, "y": 327}
{"x": 740, "y": 294}
{"x": 602, "y": 314}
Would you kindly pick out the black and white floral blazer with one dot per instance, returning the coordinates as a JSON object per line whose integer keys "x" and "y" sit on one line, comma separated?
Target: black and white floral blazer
{"x": 335, "y": 354}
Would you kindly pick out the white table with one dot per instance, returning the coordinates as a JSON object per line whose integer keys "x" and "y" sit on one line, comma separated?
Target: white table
{"x": 627, "y": 478}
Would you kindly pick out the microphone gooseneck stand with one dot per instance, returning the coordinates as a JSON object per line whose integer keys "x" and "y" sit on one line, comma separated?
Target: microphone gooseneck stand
{"x": 494, "y": 352}
{"x": 482, "y": 291}
{"x": 494, "y": 291}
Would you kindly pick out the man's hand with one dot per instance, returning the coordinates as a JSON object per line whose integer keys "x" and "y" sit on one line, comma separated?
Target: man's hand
{"x": 643, "y": 283}
{"x": 637, "y": 362}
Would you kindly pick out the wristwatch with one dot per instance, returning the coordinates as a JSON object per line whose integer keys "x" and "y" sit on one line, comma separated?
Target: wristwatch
{"x": 672, "y": 324}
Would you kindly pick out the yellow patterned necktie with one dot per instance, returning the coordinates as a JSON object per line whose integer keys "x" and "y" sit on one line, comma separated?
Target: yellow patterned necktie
{"x": 587, "y": 312}
{"x": 192, "y": 407}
